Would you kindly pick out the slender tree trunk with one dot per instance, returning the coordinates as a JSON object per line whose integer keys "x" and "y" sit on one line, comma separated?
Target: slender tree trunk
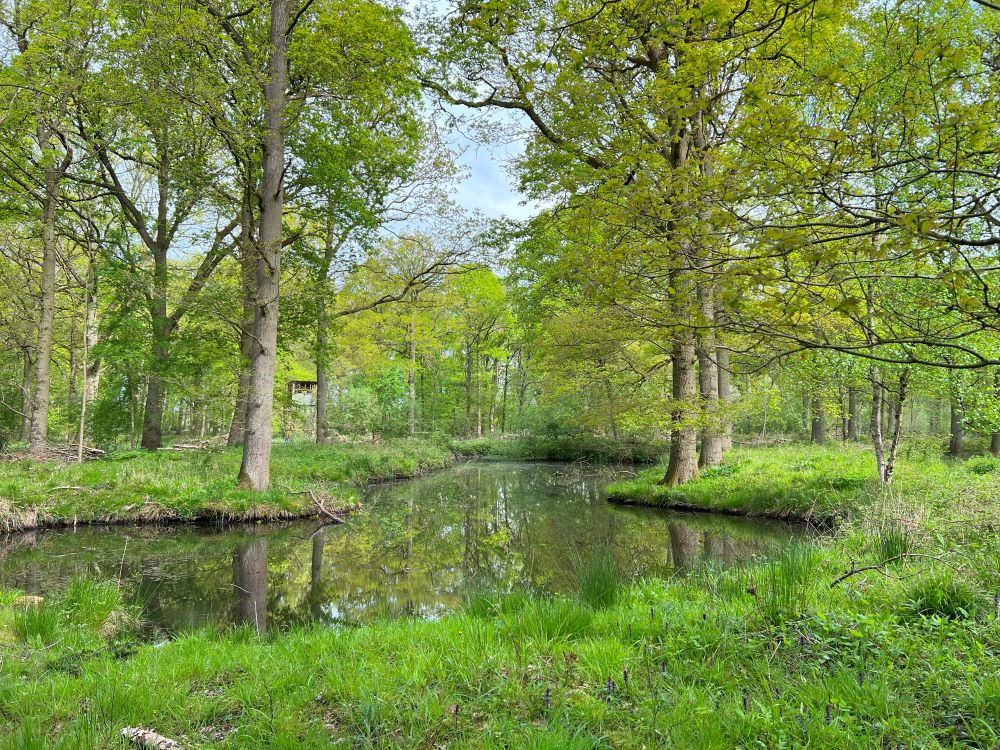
{"x": 26, "y": 381}
{"x": 708, "y": 382}
{"x": 322, "y": 338}
{"x": 71, "y": 426}
{"x": 39, "y": 429}
{"x": 479, "y": 391}
{"x": 255, "y": 470}
{"x": 897, "y": 430}
{"x": 411, "y": 375}
{"x": 725, "y": 394}
{"x": 503, "y": 407}
{"x": 468, "y": 387}
{"x": 957, "y": 429}
{"x": 878, "y": 439}
{"x": 818, "y": 421}
{"x": 852, "y": 413}
{"x": 237, "y": 426}
{"x": 91, "y": 363}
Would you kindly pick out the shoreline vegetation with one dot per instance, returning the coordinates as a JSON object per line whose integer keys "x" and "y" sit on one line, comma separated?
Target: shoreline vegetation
{"x": 881, "y": 633}
{"x": 804, "y": 483}
{"x": 139, "y": 487}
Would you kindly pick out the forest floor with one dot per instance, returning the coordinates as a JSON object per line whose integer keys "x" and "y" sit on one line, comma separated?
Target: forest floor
{"x": 882, "y": 633}
{"x": 143, "y": 487}
{"x": 805, "y": 482}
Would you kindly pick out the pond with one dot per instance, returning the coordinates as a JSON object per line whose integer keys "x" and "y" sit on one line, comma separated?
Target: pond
{"x": 417, "y": 549}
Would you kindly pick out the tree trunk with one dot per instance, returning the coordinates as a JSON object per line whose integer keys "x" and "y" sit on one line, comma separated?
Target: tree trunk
{"x": 411, "y": 375}
{"x": 995, "y": 443}
{"x": 26, "y": 381}
{"x": 39, "y": 429}
{"x": 91, "y": 364}
{"x": 247, "y": 270}
{"x": 957, "y": 429}
{"x": 322, "y": 338}
{"x": 255, "y": 470}
{"x": 708, "y": 382}
{"x": 468, "y": 387}
{"x": 682, "y": 465}
{"x": 852, "y": 413}
{"x": 818, "y": 421}
{"x": 725, "y": 394}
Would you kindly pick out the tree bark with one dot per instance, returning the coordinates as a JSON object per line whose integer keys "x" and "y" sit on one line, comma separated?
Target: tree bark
{"x": 411, "y": 374}
{"x": 682, "y": 464}
{"x": 237, "y": 426}
{"x": 708, "y": 382}
{"x": 818, "y": 421}
{"x": 323, "y": 339}
{"x": 39, "y": 428}
{"x": 852, "y": 413}
{"x": 957, "y": 429}
{"x": 255, "y": 469}
{"x": 725, "y": 394}
{"x": 26, "y": 383}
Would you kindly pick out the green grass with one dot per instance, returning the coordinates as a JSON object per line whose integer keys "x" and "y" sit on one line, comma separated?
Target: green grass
{"x": 804, "y": 481}
{"x": 172, "y": 485}
{"x": 767, "y": 656}
{"x": 588, "y": 448}
{"x": 826, "y": 646}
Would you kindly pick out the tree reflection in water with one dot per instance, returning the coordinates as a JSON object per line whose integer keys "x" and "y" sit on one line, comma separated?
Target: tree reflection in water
{"x": 422, "y": 546}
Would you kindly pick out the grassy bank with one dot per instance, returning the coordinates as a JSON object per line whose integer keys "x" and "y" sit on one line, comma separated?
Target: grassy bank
{"x": 137, "y": 486}
{"x": 580, "y": 448}
{"x": 778, "y": 654}
{"x": 807, "y": 482}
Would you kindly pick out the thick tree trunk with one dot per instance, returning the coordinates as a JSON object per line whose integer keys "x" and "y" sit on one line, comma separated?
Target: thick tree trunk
{"x": 152, "y": 415}
{"x": 818, "y": 421}
{"x": 39, "y": 429}
{"x": 852, "y": 413}
{"x": 957, "y": 429}
{"x": 995, "y": 443}
{"x": 682, "y": 464}
{"x": 255, "y": 470}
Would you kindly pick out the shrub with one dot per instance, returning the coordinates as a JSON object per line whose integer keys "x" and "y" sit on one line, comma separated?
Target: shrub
{"x": 982, "y": 464}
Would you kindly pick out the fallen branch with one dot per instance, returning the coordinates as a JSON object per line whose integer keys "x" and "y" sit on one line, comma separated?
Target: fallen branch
{"x": 880, "y": 567}
{"x": 328, "y": 514}
{"x": 149, "y": 738}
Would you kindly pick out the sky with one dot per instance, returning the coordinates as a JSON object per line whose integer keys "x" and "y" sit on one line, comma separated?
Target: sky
{"x": 488, "y": 185}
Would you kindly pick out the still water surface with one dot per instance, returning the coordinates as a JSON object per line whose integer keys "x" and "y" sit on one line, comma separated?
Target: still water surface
{"x": 417, "y": 549}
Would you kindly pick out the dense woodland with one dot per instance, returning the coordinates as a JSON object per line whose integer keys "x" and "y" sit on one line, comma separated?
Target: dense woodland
{"x": 774, "y": 218}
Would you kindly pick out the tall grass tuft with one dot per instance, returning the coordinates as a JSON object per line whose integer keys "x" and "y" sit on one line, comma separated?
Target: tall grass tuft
{"x": 598, "y": 578}
{"x": 943, "y": 594}
{"x": 781, "y": 587}
{"x": 37, "y": 623}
